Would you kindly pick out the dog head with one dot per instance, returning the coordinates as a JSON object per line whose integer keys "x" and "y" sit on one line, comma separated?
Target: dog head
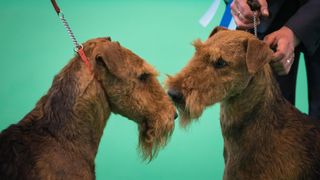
{"x": 133, "y": 91}
{"x": 221, "y": 67}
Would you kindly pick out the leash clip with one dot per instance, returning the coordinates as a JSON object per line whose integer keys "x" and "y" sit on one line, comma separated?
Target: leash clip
{"x": 78, "y": 48}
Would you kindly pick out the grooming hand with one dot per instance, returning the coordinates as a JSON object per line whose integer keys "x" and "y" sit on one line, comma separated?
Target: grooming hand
{"x": 285, "y": 42}
{"x": 242, "y": 14}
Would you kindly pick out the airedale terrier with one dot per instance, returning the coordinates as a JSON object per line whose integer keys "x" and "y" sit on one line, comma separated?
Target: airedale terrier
{"x": 59, "y": 138}
{"x": 265, "y": 137}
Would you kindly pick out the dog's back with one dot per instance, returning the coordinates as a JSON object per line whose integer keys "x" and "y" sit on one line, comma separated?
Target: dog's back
{"x": 309, "y": 142}
{"x": 295, "y": 145}
{"x": 17, "y": 158}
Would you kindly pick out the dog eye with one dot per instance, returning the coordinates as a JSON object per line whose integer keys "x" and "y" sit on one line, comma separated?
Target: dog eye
{"x": 144, "y": 77}
{"x": 220, "y": 63}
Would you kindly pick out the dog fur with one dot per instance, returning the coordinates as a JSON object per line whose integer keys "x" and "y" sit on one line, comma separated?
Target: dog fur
{"x": 265, "y": 137}
{"x": 59, "y": 138}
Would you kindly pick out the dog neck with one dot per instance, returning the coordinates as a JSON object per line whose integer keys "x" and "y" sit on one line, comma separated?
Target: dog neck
{"x": 252, "y": 106}
{"x": 74, "y": 111}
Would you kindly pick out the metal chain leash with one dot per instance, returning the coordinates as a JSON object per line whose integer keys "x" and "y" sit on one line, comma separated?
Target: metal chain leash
{"x": 254, "y": 6}
{"x": 69, "y": 31}
{"x": 255, "y": 24}
{"x": 77, "y": 47}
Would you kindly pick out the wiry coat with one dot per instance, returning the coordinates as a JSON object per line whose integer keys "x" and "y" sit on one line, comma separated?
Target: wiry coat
{"x": 59, "y": 138}
{"x": 265, "y": 137}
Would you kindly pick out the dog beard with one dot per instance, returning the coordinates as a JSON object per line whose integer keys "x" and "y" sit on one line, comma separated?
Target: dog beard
{"x": 191, "y": 110}
{"x": 153, "y": 135}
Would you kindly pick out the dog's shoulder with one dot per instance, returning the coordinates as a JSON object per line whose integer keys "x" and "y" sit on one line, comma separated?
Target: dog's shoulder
{"x": 13, "y": 151}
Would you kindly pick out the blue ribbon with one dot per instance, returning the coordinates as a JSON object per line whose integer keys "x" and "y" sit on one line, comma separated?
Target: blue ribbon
{"x": 227, "y": 17}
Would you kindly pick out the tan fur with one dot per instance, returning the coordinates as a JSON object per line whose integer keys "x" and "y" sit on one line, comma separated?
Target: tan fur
{"x": 265, "y": 137}
{"x": 59, "y": 138}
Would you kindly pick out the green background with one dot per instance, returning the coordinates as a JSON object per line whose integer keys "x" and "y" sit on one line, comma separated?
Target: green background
{"x": 34, "y": 46}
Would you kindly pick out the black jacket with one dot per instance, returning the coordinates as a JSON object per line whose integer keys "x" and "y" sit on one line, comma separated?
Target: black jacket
{"x": 301, "y": 16}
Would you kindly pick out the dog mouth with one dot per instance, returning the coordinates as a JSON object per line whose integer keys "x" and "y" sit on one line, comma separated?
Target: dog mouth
{"x": 153, "y": 136}
{"x": 185, "y": 116}
{"x": 189, "y": 110}
{"x": 179, "y": 102}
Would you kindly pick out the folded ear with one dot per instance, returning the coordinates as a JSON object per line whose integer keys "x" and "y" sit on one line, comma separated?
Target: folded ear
{"x": 111, "y": 58}
{"x": 258, "y": 54}
{"x": 217, "y": 29}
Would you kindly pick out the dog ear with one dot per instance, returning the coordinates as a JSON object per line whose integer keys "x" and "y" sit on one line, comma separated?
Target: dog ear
{"x": 111, "y": 59}
{"x": 197, "y": 44}
{"x": 100, "y": 61}
{"x": 257, "y": 55}
{"x": 217, "y": 29}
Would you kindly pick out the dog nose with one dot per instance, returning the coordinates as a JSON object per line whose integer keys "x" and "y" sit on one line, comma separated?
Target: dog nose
{"x": 175, "y": 95}
{"x": 175, "y": 115}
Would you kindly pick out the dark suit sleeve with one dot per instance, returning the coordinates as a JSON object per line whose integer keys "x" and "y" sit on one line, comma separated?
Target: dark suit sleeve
{"x": 305, "y": 23}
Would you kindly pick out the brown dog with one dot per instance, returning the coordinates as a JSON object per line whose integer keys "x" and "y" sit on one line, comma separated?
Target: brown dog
{"x": 265, "y": 137}
{"x": 59, "y": 138}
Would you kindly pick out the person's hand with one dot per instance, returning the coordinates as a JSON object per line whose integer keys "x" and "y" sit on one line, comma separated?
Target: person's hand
{"x": 285, "y": 42}
{"x": 242, "y": 14}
